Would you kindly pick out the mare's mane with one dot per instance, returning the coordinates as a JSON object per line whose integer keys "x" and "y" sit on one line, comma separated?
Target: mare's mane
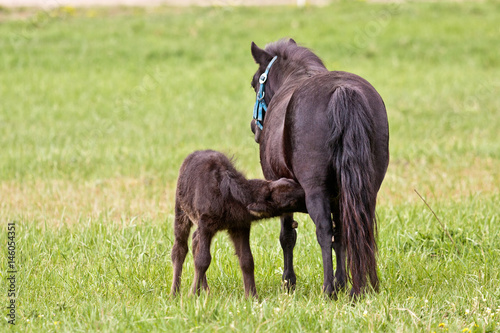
{"x": 299, "y": 61}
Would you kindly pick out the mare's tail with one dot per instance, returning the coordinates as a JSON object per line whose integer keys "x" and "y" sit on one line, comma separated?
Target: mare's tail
{"x": 350, "y": 141}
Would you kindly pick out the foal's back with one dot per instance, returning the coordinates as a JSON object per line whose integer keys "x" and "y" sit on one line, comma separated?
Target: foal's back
{"x": 203, "y": 185}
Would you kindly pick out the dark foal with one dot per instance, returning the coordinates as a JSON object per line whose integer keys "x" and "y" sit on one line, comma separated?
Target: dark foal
{"x": 212, "y": 194}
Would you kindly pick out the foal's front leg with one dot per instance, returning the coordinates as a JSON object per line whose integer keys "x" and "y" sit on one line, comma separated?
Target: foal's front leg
{"x": 241, "y": 241}
{"x": 288, "y": 238}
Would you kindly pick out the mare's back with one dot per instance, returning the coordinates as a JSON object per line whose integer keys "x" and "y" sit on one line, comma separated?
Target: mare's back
{"x": 315, "y": 94}
{"x": 310, "y": 106}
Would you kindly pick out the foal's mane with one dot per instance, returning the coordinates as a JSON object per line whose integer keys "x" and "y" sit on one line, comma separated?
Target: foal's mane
{"x": 299, "y": 60}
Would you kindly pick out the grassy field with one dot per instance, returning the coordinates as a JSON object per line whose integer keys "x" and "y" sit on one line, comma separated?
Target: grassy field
{"x": 100, "y": 106}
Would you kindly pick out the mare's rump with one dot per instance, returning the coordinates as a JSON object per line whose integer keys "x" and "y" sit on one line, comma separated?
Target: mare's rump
{"x": 315, "y": 123}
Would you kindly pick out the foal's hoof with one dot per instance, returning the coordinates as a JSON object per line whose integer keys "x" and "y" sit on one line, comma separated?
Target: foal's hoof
{"x": 253, "y": 296}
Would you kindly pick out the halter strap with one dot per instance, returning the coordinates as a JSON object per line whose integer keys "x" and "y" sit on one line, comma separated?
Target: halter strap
{"x": 260, "y": 106}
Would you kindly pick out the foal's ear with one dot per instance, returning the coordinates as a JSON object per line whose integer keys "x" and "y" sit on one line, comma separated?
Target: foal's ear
{"x": 259, "y": 55}
{"x": 292, "y": 41}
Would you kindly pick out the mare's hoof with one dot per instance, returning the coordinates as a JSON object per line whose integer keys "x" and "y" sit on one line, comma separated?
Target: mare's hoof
{"x": 288, "y": 287}
{"x": 356, "y": 296}
{"x": 338, "y": 287}
{"x": 329, "y": 291}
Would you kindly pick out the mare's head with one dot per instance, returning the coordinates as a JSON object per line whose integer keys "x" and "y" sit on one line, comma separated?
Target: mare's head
{"x": 277, "y": 197}
{"x": 292, "y": 63}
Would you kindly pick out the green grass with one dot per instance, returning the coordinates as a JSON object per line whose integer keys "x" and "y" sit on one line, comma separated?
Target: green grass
{"x": 100, "y": 106}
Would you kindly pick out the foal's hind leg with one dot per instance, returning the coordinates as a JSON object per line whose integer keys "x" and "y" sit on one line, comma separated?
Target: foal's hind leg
{"x": 195, "y": 242}
{"x": 182, "y": 227}
{"x": 241, "y": 241}
{"x": 202, "y": 257}
{"x": 288, "y": 238}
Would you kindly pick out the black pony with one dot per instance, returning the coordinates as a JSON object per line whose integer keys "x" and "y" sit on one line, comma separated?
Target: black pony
{"x": 329, "y": 132}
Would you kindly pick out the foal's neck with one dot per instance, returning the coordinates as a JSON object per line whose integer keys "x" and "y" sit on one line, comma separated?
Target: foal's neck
{"x": 257, "y": 189}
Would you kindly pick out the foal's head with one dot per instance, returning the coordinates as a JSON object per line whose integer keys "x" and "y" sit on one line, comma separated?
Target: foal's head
{"x": 276, "y": 198}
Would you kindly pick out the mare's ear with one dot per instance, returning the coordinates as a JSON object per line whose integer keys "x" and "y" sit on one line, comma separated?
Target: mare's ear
{"x": 259, "y": 55}
{"x": 260, "y": 210}
{"x": 292, "y": 41}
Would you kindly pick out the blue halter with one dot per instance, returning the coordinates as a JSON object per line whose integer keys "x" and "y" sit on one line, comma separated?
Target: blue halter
{"x": 260, "y": 106}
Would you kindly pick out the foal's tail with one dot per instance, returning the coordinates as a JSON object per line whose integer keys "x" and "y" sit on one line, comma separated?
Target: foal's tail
{"x": 350, "y": 142}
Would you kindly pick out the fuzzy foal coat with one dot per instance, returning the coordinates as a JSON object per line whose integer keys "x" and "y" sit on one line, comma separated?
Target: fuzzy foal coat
{"x": 212, "y": 194}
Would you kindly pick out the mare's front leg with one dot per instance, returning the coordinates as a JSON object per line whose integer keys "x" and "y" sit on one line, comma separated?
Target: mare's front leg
{"x": 288, "y": 238}
{"x": 318, "y": 206}
{"x": 182, "y": 227}
{"x": 241, "y": 241}
{"x": 202, "y": 256}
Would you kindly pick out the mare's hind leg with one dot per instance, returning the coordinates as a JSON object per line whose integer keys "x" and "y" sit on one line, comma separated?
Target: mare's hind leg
{"x": 241, "y": 241}
{"x": 318, "y": 206}
{"x": 288, "y": 238}
{"x": 202, "y": 257}
{"x": 182, "y": 227}
{"x": 339, "y": 248}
